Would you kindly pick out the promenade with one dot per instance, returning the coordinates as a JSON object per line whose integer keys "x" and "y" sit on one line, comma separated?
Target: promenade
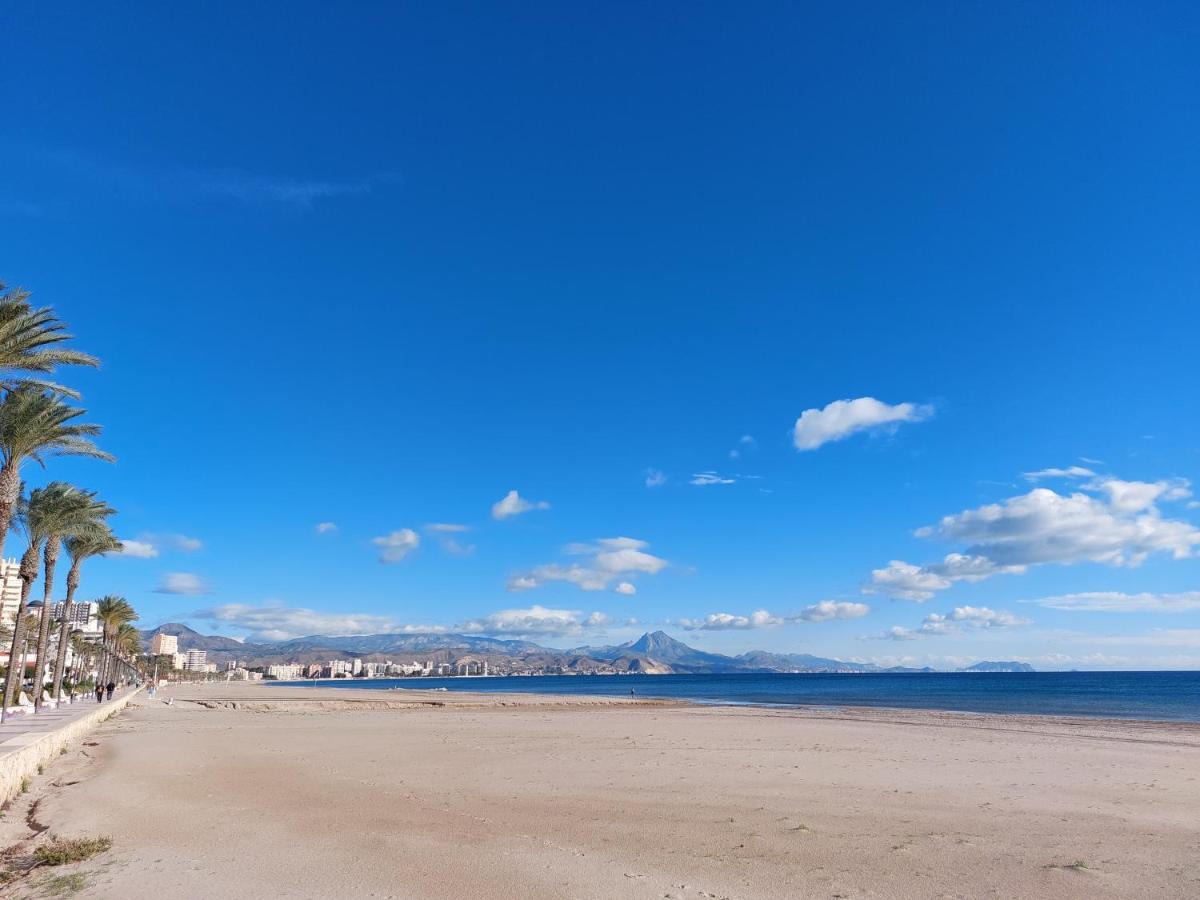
{"x": 28, "y": 740}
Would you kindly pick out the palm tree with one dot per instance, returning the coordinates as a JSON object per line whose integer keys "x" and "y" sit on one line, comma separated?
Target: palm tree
{"x": 55, "y": 509}
{"x": 79, "y": 548}
{"x": 85, "y": 656}
{"x": 36, "y": 424}
{"x": 66, "y": 511}
{"x": 113, "y": 612}
{"x": 30, "y": 341}
{"x": 128, "y": 643}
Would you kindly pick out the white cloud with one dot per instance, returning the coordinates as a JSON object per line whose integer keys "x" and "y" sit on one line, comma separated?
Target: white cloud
{"x": 281, "y": 623}
{"x": 703, "y": 478}
{"x": 940, "y": 624}
{"x": 513, "y": 504}
{"x": 655, "y": 478}
{"x": 137, "y": 549}
{"x": 625, "y": 588}
{"x": 611, "y": 559}
{"x": 842, "y": 418}
{"x": 1043, "y": 527}
{"x": 829, "y": 609}
{"x": 725, "y": 621}
{"x": 824, "y": 611}
{"x": 534, "y": 621}
{"x": 182, "y": 583}
{"x": 325, "y": 528}
{"x": 397, "y": 545}
{"x": 905, "y": 581}
{"x": 1114, "y": 601}
{"x": 147, "y": 546}
{"x": 1135, "y": 496}
{"x": 983, "y": 617}
{"x": 446, "y": 528}
{"x": 1069, "y": 472}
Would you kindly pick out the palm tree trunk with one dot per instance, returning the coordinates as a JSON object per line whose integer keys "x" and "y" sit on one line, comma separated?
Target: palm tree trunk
{"x": 49, "y": 562}
{"x": 64, "y": 633}
{"x": 106, "y": 658}
{"x": 10, "y": 487}
{"x": 16, "y": 657}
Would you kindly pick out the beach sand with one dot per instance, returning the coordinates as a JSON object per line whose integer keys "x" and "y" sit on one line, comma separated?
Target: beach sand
{"x": 307, "y": 793}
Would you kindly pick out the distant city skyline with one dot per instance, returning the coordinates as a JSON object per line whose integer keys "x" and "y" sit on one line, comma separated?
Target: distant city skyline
{"x": 541, "y": 325}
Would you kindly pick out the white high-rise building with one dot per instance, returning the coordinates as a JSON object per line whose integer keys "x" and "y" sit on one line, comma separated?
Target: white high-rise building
{"x": 197, "y": 661}
{"x": 164, "y": 645}
{"x": 10, "y": 591}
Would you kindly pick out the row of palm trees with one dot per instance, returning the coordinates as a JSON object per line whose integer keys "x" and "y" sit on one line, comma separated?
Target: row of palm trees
{"x": 38, "y": 422}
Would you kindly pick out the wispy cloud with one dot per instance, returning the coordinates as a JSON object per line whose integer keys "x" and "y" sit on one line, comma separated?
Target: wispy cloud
{"x": 706, "y": 478}
{"x": 167, "y": 183}
{"x": 325, "y": 528}
{"x": 444, "y": 533}
{"x": 534, "y": 622}
{"x": 954, "y": 622}
{"x": 279, "y": 623}
{"x": 745, "y": 442}
{"x": 179, "y": 542}
{"x": 186, "y": 583}
{"x": 1114, "y": 601}
{"x": 1068, "y": 472}
{"x": 655, "y": 478}
{"x": 513, "y": 504}
{"x": 825, "y": 611}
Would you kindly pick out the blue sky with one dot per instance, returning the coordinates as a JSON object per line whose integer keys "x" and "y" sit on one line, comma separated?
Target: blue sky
{"x": 379, "y": 267}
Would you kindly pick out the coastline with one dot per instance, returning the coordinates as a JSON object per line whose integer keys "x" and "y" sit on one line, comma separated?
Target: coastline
{"x": 235, "y": 790}
{"x": 1170, "y": 706}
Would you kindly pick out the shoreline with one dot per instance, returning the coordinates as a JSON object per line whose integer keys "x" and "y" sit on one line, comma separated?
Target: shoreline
{"x": 731, "y": 703}
{"x": 244, "y": 790}
{"x": 923, "y": 716}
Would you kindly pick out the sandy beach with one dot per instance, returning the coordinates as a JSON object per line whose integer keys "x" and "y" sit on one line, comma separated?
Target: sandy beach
{"x": 240, "y": 791}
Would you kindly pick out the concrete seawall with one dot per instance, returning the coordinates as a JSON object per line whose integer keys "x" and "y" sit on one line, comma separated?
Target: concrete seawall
{"x": 20, "y": 756}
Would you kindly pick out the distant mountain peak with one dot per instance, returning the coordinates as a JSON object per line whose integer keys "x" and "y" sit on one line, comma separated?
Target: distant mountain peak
{"x": 1003, "y": 666}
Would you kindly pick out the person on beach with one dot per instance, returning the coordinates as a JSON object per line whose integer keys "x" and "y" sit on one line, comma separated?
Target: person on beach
{"x": 110, "y": 687}
{"x": 99, "y": 693}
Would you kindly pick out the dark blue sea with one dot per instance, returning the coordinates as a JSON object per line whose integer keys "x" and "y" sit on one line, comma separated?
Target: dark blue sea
{"x": 1170, "y": 696}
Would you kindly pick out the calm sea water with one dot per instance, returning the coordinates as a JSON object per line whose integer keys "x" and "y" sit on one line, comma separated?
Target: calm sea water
{"x": 1171, "y": 696}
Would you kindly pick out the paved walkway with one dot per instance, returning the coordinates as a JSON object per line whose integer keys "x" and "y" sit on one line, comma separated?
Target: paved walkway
{"x": 21, "y": 724}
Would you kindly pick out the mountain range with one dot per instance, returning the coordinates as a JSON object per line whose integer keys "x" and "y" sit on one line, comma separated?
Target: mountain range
{"x": 653, "y": 653}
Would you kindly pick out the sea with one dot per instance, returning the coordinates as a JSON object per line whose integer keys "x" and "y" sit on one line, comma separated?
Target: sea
{"x": 1161, "y": 696}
